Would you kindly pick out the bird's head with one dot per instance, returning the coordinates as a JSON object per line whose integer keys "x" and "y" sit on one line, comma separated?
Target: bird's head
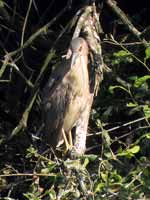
{"x": 78, "y": 48}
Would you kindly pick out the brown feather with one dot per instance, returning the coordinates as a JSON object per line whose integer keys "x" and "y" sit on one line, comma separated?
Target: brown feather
{"x": 65, "y": 95}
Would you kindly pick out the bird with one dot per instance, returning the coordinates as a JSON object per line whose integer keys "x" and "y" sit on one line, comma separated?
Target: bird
{"x": 65, "y": 95}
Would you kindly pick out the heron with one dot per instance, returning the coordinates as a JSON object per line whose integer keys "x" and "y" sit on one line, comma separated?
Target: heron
{"x": 66, "y": 94}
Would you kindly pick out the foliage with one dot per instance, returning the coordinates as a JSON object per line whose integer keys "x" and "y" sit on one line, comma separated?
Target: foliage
{"x": 116, "y": 165}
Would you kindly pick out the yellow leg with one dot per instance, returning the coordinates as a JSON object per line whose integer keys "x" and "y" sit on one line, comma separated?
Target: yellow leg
{"x": 70, "y": 139}
{"x": 66, "y": 141}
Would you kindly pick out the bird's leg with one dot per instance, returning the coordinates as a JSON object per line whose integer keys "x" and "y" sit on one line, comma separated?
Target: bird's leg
{"x": 66, "y": 141}
{"x": 70, "y": 139}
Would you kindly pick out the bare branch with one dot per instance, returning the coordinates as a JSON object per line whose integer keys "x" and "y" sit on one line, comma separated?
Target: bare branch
{"x": 126, "y": 21}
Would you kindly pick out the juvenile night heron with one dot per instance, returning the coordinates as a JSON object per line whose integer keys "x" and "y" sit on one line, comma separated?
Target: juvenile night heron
{"x": 66, "y": 93}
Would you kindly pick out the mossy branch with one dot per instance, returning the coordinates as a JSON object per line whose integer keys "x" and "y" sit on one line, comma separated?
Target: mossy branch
{"x": 23, "y": 122}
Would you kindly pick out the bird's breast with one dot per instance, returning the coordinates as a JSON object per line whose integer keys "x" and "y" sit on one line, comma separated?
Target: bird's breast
{"x": 78, "y": 88}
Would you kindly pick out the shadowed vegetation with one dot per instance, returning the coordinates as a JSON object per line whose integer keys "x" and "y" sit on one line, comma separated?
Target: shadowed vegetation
{"x": 34, "y": 36}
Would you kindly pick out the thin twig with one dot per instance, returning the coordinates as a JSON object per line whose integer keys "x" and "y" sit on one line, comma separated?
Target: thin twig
{"x": 23, "y": 122}
{"x": 25, "y": 22}
{"x": 27, "y": 174}
{"x": 121, "y": 126}
{"x": 118, "y": 138}
{"x": 131, "y": 132}
{"x": 28, "y": 82}
{"x": 135, "y": 57}
{"x": 124, "y": 43}
{"x": 38, "y": 32}
{"x": 4, "y": 65}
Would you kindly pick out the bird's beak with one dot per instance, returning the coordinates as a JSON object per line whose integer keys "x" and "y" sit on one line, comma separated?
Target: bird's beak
{"x": 74, "y": 58}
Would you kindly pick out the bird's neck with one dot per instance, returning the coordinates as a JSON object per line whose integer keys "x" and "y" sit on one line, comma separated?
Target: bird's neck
{"x": 82, "y": 73}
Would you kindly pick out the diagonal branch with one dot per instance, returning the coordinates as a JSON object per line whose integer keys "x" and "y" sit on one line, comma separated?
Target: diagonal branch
{"x": 113, "y": 5}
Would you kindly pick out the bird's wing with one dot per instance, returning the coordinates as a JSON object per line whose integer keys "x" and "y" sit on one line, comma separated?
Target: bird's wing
{"x": 54, "y": 105}
{"x": 55, "y": 80}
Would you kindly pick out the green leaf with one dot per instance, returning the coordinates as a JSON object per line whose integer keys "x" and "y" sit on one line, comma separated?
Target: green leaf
{"x": 115, "y": 177}
{"x": 134, "y": 149}
{"x": 147, "y": 135}
{"x": 31, "y": 151}
{"x": 1, "y": 3}
{"x": 146, "y": 110}
{"x": 104, "y": 176}
{"x": 147, "y": 53}
{"x": 90, "y": 157}
{"x": 51, "y": 193}
{"x": 106, "y": 138}
{"x": 99, "y": 187}
{"x": 132, "y": 78}
{"x": 86, "y": 162}
{"x": 140, "y": 81}
{"x": 129, "y": 153}
{"x": 111, "y": 88}
{"x": 73, "y": 164}
{"x": 131, "y": 105}
{"x": 98, "y": 123}
{"x": 49, "y": 168}
{"x": 121, "y": 53}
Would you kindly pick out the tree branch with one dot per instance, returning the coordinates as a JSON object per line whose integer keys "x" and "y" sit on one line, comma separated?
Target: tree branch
{"x": 113, "y": 5}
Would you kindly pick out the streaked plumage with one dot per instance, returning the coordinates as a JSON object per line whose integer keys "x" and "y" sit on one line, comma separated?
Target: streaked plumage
{"x": 65, "y": 95}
